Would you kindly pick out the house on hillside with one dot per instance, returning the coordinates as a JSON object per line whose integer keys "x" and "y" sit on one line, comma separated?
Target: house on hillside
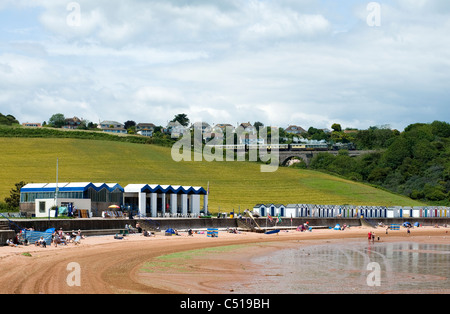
{"x": 72, "y": 123}
{"x": 247, "y": 134}
{"x": 32, "y": 124}
{"x": 109, "y": 124}
{"x": 223, "y": 127}
{"x": 295, "y": 129}
{"x": 145, "y": 129}
{"x": 203, "y": 126}
{"x": 175, "y": 129}
{"x": 218, "y": 132}
{"x": 247, "y": 127}
{"x": 112, "y": 127}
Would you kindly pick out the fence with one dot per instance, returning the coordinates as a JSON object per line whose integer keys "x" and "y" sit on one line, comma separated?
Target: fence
{"x": 394, "y": 227}
{"x": 33, "y": 236}
{"x": 212, "y": 233}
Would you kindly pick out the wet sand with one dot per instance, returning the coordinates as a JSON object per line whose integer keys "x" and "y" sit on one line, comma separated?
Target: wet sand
{"x": 134, "y": 264}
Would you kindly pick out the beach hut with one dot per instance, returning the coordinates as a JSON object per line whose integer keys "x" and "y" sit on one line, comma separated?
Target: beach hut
{"x": 261, "y": 209}
{"x": 292, "y": 210}
{"x": 280, "y": 210}
{"x": 271, "y": 209}
{"x": 416, "y": 212}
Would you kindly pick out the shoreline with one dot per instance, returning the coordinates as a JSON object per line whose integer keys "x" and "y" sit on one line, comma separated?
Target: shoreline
{"x": 115, "y": 266}
{"x": 239, "y": 263}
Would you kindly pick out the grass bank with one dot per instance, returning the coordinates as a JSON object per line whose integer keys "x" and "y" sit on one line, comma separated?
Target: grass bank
{"x": 232, "y": 184}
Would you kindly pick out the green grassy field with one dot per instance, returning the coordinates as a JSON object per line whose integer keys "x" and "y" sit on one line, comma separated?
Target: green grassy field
{"x": 233, "y": 185}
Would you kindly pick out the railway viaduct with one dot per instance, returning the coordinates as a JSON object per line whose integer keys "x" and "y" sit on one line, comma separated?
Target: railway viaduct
{"x": 306, "y": 156}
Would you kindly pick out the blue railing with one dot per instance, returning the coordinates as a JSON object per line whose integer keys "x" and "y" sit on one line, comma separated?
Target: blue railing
{"x": 150, "y": 221}
{"x": 12, "y": 223}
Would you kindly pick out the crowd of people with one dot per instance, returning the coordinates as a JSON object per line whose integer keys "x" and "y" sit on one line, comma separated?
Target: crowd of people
{"x": 57, "y": 237}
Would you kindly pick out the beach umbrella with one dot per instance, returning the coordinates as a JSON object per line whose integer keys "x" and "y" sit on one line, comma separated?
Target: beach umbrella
{"x": 113, "y": 206}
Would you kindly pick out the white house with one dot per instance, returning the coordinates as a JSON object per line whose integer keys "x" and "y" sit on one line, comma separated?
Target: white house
{"x": 145, "y": 129}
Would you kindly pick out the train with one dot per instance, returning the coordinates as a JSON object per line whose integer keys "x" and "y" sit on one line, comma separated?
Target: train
{"x": 309, "y": 146}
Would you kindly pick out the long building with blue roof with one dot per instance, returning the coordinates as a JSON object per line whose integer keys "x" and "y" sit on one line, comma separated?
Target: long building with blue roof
{"x": 151, "y": 200}
{"x": 36, "y": 198}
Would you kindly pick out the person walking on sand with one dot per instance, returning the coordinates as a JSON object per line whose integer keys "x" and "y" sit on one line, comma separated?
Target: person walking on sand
{"x": 373, "y": 237}
{"x": 369, "y": 236}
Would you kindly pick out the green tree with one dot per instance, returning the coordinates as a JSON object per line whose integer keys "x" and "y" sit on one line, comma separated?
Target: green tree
{"x": 128, "y": 124}
{"x": 441, "y": 129}
{"x": 336, "y": 127}
{"x": 258, "y": 125}
{"x": 57, "y": 120}
{"x": 8, "y": 119}
{"x": 397, "y": 152}
{"x": 317, "y": 134}
{"x": 13, "y": 200}
{"x": 181, "y": 118}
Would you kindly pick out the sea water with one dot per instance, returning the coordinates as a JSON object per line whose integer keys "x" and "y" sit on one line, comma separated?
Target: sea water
{"x": 349, "y": 268}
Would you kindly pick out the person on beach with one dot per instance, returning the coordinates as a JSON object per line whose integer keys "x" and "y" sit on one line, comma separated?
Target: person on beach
{"x": 56, "y": 240}
{"x": 145, "y": 233}
{"x": 41, "y": 242}
{"x": 10, "y": 242}
{"x": 373, "y": 237}
{"x": 369, "y": 236}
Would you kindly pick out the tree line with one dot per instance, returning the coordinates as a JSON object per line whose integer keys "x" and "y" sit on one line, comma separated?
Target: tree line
{"x": 415, "y": 162}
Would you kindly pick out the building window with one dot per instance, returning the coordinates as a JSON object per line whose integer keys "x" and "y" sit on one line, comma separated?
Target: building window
{"x": 41, "y": 207}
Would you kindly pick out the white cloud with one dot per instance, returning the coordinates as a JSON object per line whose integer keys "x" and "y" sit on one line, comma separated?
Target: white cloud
{"x": 230, "y": 61}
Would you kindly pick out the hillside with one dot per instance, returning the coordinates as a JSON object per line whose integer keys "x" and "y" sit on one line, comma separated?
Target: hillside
{"x": 233, "y": 185}
{"x": 415, "y": 162}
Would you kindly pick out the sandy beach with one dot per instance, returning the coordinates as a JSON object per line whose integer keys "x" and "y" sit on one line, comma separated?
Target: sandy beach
{"x": 134, "y": 264}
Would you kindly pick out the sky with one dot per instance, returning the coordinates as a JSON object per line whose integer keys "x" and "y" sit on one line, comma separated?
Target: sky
{"x": 280, "y": 62}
